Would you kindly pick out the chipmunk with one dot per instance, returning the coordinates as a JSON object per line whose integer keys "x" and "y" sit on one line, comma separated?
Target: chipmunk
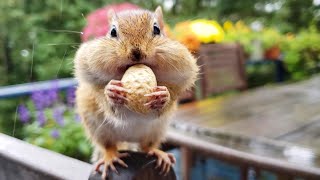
{"x": 135, "y": 37}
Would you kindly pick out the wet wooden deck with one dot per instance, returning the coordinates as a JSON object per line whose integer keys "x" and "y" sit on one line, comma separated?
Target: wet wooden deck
{"x": 277, "y": 122}
{"x": 289, "y": 112}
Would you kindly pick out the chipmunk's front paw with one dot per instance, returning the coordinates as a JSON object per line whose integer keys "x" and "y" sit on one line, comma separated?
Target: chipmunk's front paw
{"x": 108, "y": 162}
{"x": 116, "y": 93}
{"x": 158, "y": 98}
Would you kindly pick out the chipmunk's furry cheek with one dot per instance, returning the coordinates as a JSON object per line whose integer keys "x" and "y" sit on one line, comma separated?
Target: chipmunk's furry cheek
{"x": 175, "y": 63}
{"x": 96, "y": 77}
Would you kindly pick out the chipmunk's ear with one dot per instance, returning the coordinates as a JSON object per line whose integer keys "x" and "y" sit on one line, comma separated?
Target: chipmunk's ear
{"x": 111, "y": 14}
{"x": 159, "y": 16}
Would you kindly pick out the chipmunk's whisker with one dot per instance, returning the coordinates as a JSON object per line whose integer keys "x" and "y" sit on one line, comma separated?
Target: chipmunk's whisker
{"x": 61, "y": 8}
{"x": 96, "y": 130}
{"x": 83, "y": 17}
{"x": 15, "y": 121}
{"x": 180, "y": 73}
{"x": 58, "y": 44}
{"x": 65, "y": 52}
{"x": 63, "y": 31}
{"x": 31, "y": 66}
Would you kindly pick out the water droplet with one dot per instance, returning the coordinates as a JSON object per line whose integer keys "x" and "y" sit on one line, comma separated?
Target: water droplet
{"x": 24, "y": 53}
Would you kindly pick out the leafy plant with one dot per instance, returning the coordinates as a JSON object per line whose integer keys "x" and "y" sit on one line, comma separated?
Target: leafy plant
{"x": 302, "y": 54}
{"x": 240, "y": 33}
{"x": 49, "y": 120}
{"x": 270, "y": 37}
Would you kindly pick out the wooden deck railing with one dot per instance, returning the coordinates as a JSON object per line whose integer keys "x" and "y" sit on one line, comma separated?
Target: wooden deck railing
{"x": 192, "y": 143}
{"x": 28, "y": 88}
{"x": 20, "y": 160}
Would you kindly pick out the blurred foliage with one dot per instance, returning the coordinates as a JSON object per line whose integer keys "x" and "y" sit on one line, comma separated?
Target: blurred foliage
{"x": 28, "y": 37}
{"x": 69, "y": 139}
{"x": 48, "y": 119}
{"x": 302, "y": 54}
{"x": 8, "y": 117}
{"x": 182, "y": 32}
{"x": 270, "y": 37}
{"x": 300, "y": 51}
{"x": 240, "y": 33}
{"x": 299, "y": 14}
{"x": 193, "y": 33}
{"x": 260, "y": 74}
{"x": 207, "y": 31}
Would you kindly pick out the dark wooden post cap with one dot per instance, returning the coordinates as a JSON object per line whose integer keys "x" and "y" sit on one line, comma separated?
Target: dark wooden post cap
{"x": 140, "y": 167}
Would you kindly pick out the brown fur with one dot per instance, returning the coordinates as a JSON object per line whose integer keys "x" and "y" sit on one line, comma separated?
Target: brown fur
{"x": 101, "y": 60}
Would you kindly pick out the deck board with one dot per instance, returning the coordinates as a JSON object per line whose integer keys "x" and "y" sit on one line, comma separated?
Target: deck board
{"x": 268, "y": 112}
{"x": 273, "y": 122}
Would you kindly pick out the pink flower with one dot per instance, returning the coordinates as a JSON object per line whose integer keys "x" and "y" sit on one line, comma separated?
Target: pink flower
{"x": 97, "y": 21}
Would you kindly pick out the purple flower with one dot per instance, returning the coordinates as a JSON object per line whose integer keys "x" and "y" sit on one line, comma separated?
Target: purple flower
{"x": 38, "y": 99}
{"x": 71, "y": 96}
{"x": 24, "y": 114}
{"x": 44, "y": 99}
{"x": 41, "y": 118}
{"x": 55, "y": 134}
{"x": 77, "y": 118}
{"x": 52, "y": 94}
{"x": 58, "y": 115}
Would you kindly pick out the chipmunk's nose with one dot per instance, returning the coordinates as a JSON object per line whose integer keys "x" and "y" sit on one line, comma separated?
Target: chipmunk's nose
{"x": 136, "y": 54}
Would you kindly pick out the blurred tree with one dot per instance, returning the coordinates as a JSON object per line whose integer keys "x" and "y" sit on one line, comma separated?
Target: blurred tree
{"x": 236, "y": 9}
{"x": 299, "y": 13}
{"x": 29, "y": 36}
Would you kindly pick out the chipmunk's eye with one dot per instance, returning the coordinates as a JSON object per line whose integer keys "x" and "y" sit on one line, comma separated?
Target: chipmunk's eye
{"x": 156, "y": 29}
{"x": 113, "y": 32}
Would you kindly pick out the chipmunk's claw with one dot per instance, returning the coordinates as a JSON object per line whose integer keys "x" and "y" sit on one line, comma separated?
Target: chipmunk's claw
{"x": 158, "y": 98}
{"x": 116, "y": 93}
{"x": 164, "y": 160}
{"x": 109, "y": 163}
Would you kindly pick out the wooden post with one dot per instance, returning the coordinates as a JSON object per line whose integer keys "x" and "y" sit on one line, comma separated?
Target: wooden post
{"x": 257, "y": 173}
{"x": 186, "y": 162}
{"x": 284, "y": 177}
{"x": 244, "y": 172}
{"x": 139, "y": 167}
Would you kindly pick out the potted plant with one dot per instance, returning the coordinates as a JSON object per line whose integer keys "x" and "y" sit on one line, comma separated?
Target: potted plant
{"x": 271, "y": 40}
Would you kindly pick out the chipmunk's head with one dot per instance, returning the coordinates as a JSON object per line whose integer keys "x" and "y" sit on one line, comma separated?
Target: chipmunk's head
{"x": 135, "y": 37}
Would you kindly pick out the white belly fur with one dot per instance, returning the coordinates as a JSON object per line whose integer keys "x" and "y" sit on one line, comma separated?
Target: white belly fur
{"x": 132, "y": 127}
